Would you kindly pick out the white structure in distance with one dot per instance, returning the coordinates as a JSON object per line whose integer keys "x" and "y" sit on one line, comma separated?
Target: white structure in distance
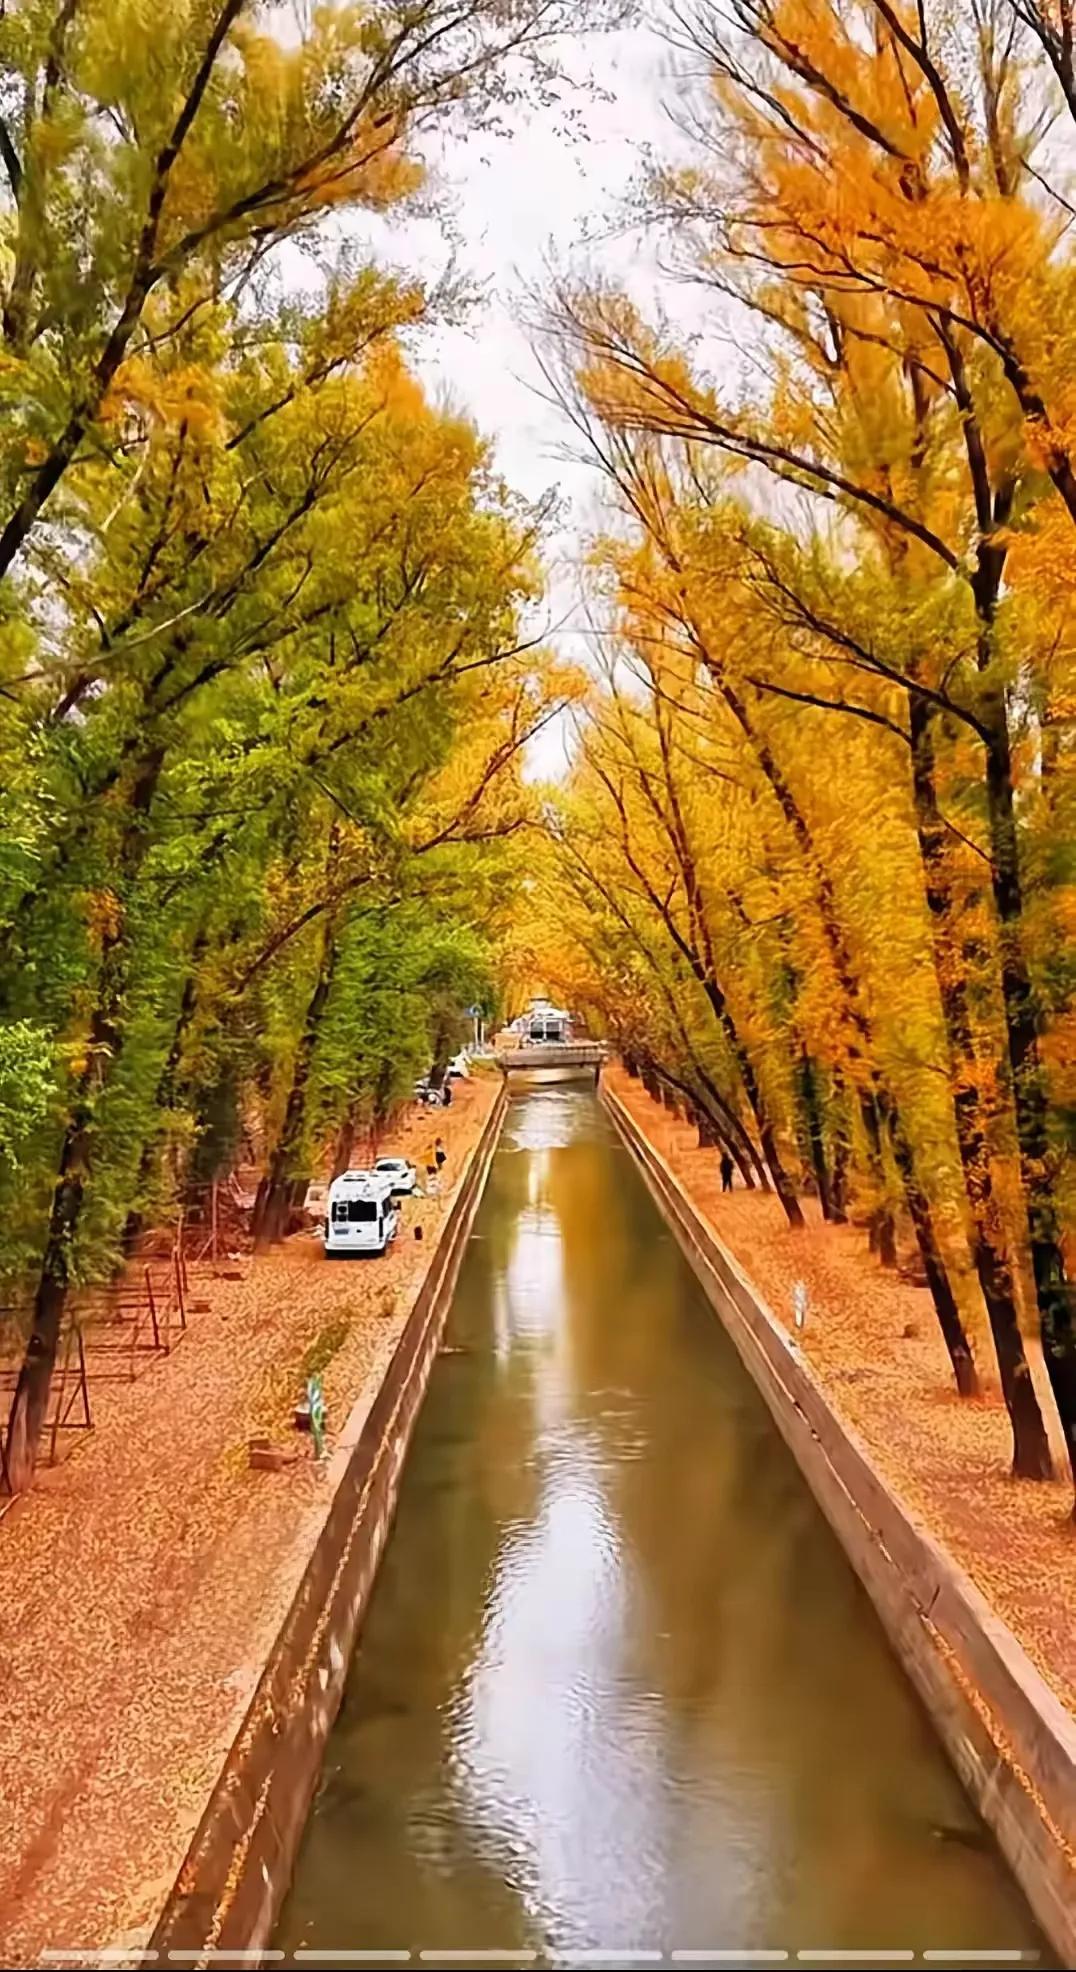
{"x": 544, "y": 1022}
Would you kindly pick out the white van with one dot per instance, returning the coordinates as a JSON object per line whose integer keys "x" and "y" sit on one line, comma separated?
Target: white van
{"x": 363, "y": 1216}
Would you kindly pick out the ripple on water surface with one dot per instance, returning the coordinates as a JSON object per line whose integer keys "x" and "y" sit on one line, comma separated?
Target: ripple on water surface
{"x": 618, "y": 1689}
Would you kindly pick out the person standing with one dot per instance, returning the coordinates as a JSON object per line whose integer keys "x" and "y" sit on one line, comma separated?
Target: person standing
{"x": 727, "y": 1168}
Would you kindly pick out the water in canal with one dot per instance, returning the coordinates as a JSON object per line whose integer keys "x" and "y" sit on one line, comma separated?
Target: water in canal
{"x": 618, "y": 1691}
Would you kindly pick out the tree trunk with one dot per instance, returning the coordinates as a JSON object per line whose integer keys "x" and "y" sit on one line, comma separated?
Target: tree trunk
{"x": 875, "y": 1100}
{"x": 104, "y": 1044}
{"x": 782, "y": 1183}
{"x": 345, "y": 1142}
{"x": 712, "y": 1137}
{"x": 698, "y": 950}
{"x": 859, "y": 1039}
{"x": 990, "y": 1256}
{"x": 712, "y": 1131}
{"x": 273, "y": 1201}
{"x": 729, "y": 1128}
{"x": 30, "y": 1403}
{"x": 812, "y": 1114}
{"x": 883, "y": 1229}
{"x": 839, "y": 1150}
{"x": 941, "y": 1291}
{"x": 166, "y": 1086}
{"x": 1056, "y": 1295}
{"x": 839, "y": 1181}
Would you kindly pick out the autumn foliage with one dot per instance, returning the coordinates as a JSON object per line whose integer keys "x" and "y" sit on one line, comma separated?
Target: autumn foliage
{"x": 820, "y": 833}
{"x": 266, "y": 685}
{"x": 264, "y": 690}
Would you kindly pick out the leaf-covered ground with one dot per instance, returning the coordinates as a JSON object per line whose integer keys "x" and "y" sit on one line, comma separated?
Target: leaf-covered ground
{"x": 144, "y": 1578}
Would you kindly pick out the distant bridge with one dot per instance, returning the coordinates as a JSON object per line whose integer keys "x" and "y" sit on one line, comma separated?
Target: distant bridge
{"x": 551, "y": 1054}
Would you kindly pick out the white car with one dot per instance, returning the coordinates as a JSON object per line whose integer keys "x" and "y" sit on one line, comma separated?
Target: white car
{"x": 316, "y": 1201}
{"x": 400, "y": 1172}
{"x": 362, "y": 1217}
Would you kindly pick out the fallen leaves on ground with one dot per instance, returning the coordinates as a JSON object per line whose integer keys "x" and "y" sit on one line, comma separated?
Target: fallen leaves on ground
{"x": 145, "y": 1577}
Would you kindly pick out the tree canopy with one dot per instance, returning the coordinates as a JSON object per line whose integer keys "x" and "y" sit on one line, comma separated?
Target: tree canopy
{"x": 265, "y": 688}
{"x": 823, "y": 809}
{"x": 267, "y": 680}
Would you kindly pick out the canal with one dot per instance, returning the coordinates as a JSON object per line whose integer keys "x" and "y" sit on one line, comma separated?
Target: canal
{"x": 618, "y": 1692}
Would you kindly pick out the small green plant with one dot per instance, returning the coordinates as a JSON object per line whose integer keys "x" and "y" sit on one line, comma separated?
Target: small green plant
{"x": 326, "y": 1345}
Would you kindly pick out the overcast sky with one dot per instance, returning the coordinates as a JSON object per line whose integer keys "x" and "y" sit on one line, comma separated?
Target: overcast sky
{"x": 517, "y": 202}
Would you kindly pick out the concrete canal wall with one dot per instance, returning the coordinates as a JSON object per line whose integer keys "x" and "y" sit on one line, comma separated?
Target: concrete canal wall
{"x": 238, "y": 1868}
{"x": 1010, "y": 1739}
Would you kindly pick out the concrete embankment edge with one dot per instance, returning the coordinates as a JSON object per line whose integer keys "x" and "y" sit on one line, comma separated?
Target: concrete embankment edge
{"x": 1010, "y": 1739}
{"x": 237, "y": 1871}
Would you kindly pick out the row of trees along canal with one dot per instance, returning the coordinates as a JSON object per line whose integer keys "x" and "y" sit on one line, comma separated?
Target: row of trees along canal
{"x": 822, "y": 822}
{"x": 264, "y": 688}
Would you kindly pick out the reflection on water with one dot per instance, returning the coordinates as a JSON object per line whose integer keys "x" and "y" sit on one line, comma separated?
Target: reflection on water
{"x": 617, "y": 1688}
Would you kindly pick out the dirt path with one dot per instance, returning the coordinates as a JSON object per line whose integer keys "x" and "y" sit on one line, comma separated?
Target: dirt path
{"x": 875, "y": 1343}
{"x": 144, "y": 1578}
